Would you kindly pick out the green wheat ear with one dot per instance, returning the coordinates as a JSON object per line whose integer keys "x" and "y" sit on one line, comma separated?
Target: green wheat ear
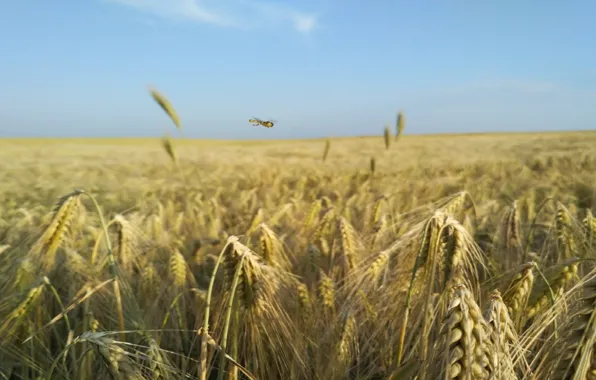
{"x": 169, "y": 148}
{"x": 401, "y": 124}
{"x": 165, "y": 104}
{"x": 387, "y": 137}
{"x": 326, "y": 151}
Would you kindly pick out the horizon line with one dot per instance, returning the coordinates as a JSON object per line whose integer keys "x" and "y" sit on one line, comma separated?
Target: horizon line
{"x": 434, "y": 134}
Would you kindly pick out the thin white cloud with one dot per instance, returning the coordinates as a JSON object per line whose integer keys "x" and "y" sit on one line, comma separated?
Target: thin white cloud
{"x": 177, "y": 9}
{"x": 302, "y": 22}
{"x": 305, "y": 24}
{"x": 242, "y": 14}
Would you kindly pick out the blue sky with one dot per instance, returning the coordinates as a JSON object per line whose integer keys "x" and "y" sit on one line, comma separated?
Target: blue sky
{"x": 317, "y": 67}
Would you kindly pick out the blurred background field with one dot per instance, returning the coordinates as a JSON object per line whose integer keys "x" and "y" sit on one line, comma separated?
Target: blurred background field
{"x": 57, "y": 159}
{"x": 125, "y": 167}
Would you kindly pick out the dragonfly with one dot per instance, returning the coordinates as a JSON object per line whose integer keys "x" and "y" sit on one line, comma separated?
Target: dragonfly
{"x": 265, "y": 123}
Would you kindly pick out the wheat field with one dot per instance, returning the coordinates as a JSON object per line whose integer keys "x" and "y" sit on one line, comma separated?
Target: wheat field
{"x": 422, "y": 257}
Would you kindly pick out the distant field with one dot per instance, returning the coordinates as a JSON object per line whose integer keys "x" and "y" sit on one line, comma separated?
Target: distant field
{"x": 498, "y": 229}
{"x": 150, "y": 140}
{"x": 419, "y": 147}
